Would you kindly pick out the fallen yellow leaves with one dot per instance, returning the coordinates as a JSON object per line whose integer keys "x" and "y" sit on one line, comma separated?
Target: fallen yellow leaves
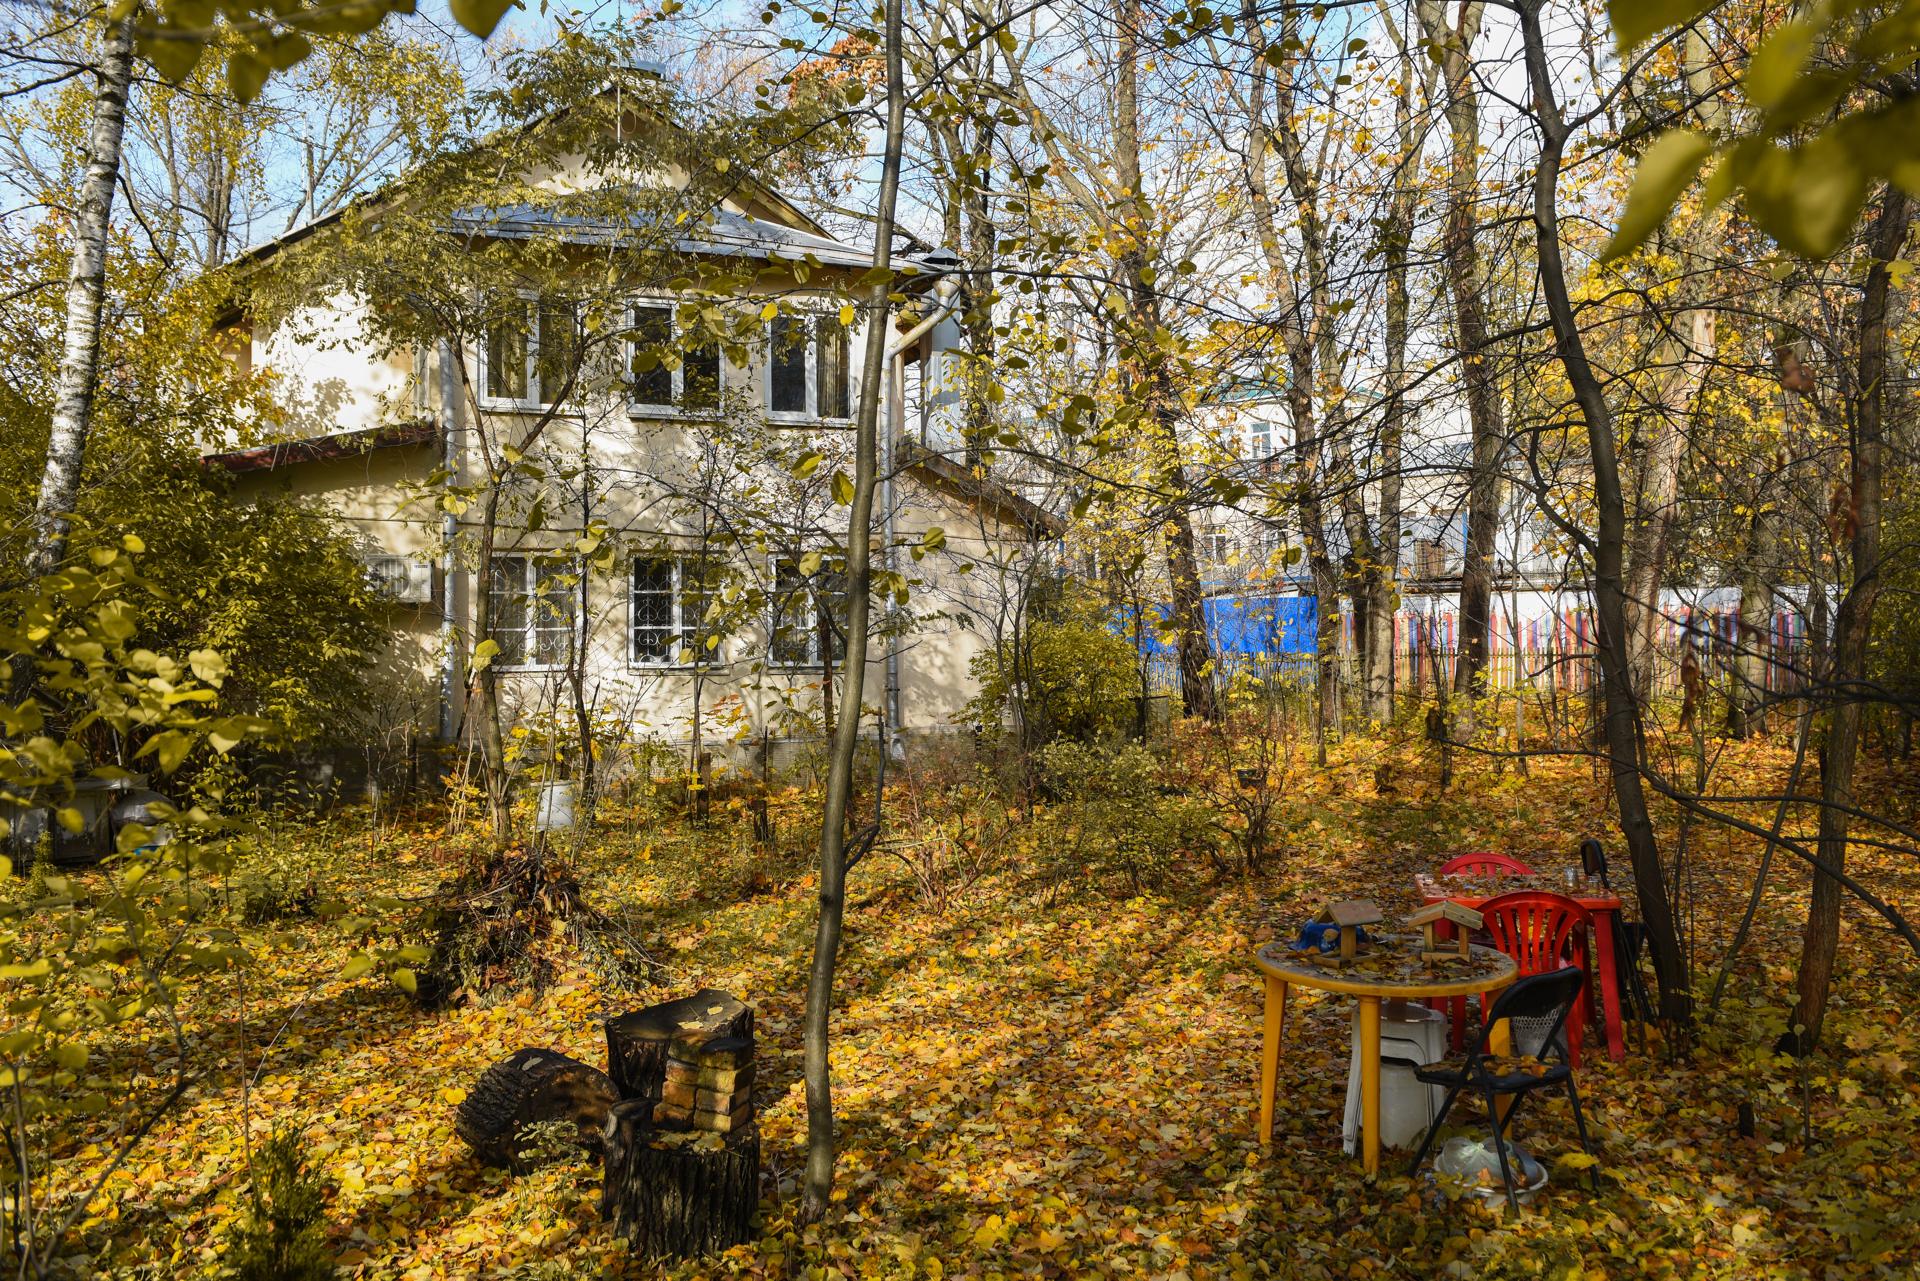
{"x": 1046, "y": 1088}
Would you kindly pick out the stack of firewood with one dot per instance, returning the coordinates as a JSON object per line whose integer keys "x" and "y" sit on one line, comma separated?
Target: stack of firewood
{"x": 709, "y": 1084}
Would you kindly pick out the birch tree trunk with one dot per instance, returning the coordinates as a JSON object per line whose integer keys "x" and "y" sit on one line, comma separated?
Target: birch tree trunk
{"x": 1683, "y": 367}
{"x": 1853, "y": 626}
{"x": 86, "y": 287}
{"x": 818, "y": 1187}
{"x": 1466, "y": 282}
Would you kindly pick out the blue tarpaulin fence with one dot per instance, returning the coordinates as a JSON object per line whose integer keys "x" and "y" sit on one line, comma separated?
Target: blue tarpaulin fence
{"x": 1274, "y": 634}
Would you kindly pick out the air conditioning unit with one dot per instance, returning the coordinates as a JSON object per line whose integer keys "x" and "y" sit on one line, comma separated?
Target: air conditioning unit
{"x": 399, "y": 579}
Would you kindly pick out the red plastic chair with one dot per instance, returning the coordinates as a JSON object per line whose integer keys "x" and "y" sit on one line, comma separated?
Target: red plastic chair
{"x": 1542, "y": 932}
{"x": 1471, "y": 864}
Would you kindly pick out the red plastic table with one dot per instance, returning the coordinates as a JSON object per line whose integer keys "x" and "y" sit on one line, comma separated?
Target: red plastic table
{"x": 1601, "y": 904}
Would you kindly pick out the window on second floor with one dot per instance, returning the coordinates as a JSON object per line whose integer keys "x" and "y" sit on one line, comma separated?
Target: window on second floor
{"x": 532, "y": 611}
{"x": 532, "y": 351}
{"x": 1262, "y": 439}
{"x": 671, "y": 595}
{"x": 807, "y": 608}
{"x": 664, "y": 375}
{"x": 808, "y": 367}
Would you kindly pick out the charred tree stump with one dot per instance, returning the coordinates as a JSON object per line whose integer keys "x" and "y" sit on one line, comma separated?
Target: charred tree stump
{"x": 678, "y": 1194}
{"x": 529, "y": 1087}
{"x": 637, "y": 1043}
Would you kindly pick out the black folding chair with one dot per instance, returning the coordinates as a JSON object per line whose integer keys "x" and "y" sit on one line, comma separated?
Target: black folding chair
{"x": 1629, "y": 941}
{"x": 1544, "y": 997}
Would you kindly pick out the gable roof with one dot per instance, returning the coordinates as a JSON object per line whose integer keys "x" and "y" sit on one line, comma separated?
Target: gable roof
{"x": 747, "y": 190}
{"x": 726, "y": 233}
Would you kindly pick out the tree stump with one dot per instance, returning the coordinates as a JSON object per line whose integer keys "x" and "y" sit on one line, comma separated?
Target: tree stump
{"x": 678, "y": 1194}
{"x": 637, "y": 1043}
{"x": 526, "y": 1088}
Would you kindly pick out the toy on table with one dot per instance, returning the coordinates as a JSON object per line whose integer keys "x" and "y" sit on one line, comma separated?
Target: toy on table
{"x": 1348, "y": 916}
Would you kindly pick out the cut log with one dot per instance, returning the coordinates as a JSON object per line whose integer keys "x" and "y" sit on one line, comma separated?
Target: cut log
{"x": 637, "y": 1043}
{"x": 678, "y": 1194}
{"x": 529, "y": 1087}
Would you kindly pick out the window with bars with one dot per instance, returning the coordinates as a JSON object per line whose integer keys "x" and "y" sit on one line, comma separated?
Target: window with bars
{"x": 806, "y": 609}
{"x": 532, "y": 351}
{"x": 532, "y": 611}
{"x": 809, "y": 367}
{"x": 662, "y": 373}
{"x": 670, "y": 599}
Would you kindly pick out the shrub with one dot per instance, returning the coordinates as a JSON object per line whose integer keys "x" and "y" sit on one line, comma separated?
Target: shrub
{"x": 272, "y": 881}
{"x": 1112, "y": 814}
{"x": 1066, "y": 678}
{"x": 283, "y": 1236}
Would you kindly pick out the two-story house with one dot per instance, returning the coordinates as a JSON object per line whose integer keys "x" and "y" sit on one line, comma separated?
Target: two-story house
{"x": 666, "y": 547}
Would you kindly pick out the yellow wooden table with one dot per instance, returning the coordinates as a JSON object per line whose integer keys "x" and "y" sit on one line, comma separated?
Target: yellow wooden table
{"x": 1393, "y": 970}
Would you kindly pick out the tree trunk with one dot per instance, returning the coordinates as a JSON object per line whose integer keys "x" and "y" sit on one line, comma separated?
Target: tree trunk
{"x": 1154, "y": 379}
{"x": 1467, "y": 286}
{"x": 1853, "y": 626}
{"x": 529, "y": 1087}
{"x": 982, "y": 236}
{"x": 1682, "y": 372}
{"x": 86, "y": 288}
{"x": 1747, "y": 710}
{"x": 1306, "y": 328}
{"x": 818, "y": 1187}
{"x": 493, "y": 743}
{"x": 678, "y": 1194}
{"x": 1381, "y": 577}
{"x": 637, "y": 1043}
{"x": 1622, "y": 732}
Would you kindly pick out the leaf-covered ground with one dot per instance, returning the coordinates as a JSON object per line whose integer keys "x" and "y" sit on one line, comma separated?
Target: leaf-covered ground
{"x": 1061, "y": 1082}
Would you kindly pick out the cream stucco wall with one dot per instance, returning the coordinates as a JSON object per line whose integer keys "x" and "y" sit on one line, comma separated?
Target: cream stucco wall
{"x": 630, "y": 476}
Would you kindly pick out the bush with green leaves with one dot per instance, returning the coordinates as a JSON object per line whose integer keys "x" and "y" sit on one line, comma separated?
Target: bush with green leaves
{"x": 283, "y": 1235}
{"x": 272, "y": 880}
{"x": 1112, "y": 815}
{"x": 105, "y": 958}
{"x": 1067, "y": 676}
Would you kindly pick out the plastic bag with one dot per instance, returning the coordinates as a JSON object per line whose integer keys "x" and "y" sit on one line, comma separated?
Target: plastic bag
{"x": 1475, "y": 1163}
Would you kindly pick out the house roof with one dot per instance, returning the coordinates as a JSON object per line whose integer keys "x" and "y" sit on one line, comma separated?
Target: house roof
{"x": 316, "y": 449}
{"x": 726, "y": 232}
{"x": 746, "y": 188}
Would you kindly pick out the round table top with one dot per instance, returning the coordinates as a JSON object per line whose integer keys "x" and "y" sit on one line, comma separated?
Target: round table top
{"x": 1392, "y": 967}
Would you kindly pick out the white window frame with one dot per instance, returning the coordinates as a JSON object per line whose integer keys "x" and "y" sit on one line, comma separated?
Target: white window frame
{"x": 676, "y": 373}
{"x": 689, "y": 649}
{"x": 812, "y": 660}
{"x": 810, "y": 316}
{"x": 1261, "y": 437}
{"x": 535, "y": 399}
{"x": 533, "y": 567}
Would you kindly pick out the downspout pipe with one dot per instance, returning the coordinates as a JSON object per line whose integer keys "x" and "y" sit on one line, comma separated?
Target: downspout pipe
{"x": 946, "y": 292}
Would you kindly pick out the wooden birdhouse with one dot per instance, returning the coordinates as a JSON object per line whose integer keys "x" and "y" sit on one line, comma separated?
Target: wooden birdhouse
{"x": 1350, "y": 916}
{"x": 1430, "y": 917}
